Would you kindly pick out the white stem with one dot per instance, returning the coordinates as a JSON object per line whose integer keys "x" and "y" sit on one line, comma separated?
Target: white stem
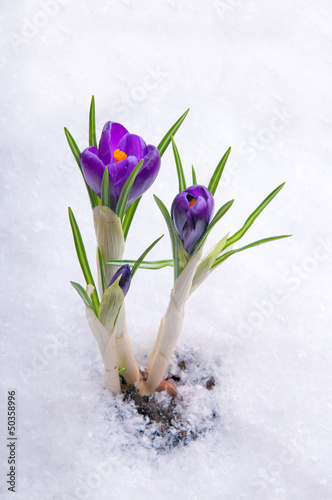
{"x": 106, "y": 343}
{"x": 170, "y": 326}
{"x": 124, "y": 353}
{"x": 111, "y": 242}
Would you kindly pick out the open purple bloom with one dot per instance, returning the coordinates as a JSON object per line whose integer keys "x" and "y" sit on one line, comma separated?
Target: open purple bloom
{"x": 120, "y": 152}
{"x": 125, "y": 279}
{"x": 191, "y": 213}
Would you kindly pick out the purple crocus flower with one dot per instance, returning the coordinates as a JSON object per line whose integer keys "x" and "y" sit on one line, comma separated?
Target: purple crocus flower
{"x": 120, "y": 152}
{"x": 125, "y": 279}
{"x": 191, "y": 213}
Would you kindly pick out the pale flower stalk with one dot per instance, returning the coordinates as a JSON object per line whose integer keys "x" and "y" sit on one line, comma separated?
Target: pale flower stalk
{"x": 110, "y": 241}
{"x": 170, "y": 326}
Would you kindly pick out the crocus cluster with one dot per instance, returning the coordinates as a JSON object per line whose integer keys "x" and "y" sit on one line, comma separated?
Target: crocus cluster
{"x": 120, "y": 152}
{"x": 132, "y": 167}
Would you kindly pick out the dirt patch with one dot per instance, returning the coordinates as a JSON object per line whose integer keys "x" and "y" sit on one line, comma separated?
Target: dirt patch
{"x": 167, "y": 409}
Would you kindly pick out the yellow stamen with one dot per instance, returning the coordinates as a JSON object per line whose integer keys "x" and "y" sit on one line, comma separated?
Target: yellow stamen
{"x": 192, "y": 202}
{"x": 119, "y": 155}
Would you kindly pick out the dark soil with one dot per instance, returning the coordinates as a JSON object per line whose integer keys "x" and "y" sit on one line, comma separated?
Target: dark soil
{"x": 167, "y": 412}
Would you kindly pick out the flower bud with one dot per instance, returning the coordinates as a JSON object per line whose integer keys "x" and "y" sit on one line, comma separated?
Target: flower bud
{"x": 125, "y": 279}
{"x": 191, "y": 213}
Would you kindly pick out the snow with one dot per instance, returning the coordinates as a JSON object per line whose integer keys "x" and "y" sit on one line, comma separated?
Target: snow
{"x": 257, "y": 76}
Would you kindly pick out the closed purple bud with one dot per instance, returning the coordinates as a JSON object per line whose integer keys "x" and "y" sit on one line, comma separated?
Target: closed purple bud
{"x": 120, "y": 152}
{"x": 191, "y": 213}
{"x": 125, "y": 279}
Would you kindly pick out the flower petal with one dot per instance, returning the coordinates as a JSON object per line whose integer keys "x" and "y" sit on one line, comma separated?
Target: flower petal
{"x": 93, "y": 169}
{"x": 120, "y": 171}
{"x": 110, "y": 137}
{"x": 133, "y": 145}
{"x": 147, "y": 174}
{"x": 179, "y": 209}
{"x": 125, "y": 279}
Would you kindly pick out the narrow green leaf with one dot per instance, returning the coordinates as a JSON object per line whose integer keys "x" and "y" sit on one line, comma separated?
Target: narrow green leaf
{"x": 213, "y": 184}
{"x": 179, "y": 168}
{"x": 129, "y": 215}
{"x": 172, "y": 235}
{"x": 94, "y": 200}
{"x": 83, "y": 260}
{"x": 172, "y": 131}
{"x": 122, "y": 370}
{"x": 105, "y": 190}
{"x": 82, "y": 293}
{"x": 194, "y": 175}
{"x": 101, "y": 269}
{"x": 125, "y": 192}
{"x": 225, "y": 256}
{"x": 92, "y": 124}
{"x": 155, "y": 264}
{"x": 221, "y": 212}
{"x": 251, "y": 219}
{"x": 144, "y": 254}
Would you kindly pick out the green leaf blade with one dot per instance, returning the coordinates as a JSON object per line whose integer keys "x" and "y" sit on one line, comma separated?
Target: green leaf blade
{"x": 84, "y": 296}
{"x": 82, "y": 258}
{"x": 172, "y": 234}
{"x": 143, "y": 255}
{"x": 164, "y": 143}
{"x": 216, "y": 176}
{"x": 225, "y": 256}
{"x": 92, "y": 124}
{"x": 152, "y": 265}
{"x": 101, "y": 269}
{"x": 105, "y": 190}
{"x": 129, "y": 215}
{"x": 125, "y": 192}
{"x": 251, "y": 219}
{"x": 194, "y": 176}
{"x": 179, "y": 168}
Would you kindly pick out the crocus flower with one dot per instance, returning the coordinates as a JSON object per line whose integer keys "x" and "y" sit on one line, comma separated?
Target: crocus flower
{"x": 191, "y": 213}
{"x": 120, "y": 152}
{"x": 125, "y": 279}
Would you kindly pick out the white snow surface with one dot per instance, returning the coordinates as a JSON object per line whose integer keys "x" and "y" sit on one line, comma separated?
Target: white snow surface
{"x": 257, "y": 76}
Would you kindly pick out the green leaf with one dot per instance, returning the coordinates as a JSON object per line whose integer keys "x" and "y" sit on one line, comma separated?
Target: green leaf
{"x": 172, "y": 131}
{"x": 122, "y": 370}
{"x": 221, "y": 212}
{"x": 213, "y": 184}
{"x": 94, "y": 200}
{"x": 179, "y": 169}
{"x": 83, "y": 260}
{"x": 92, "y": 123}
{"x": 101, "y": 269}
{"x": 172, "y": 235}
{"x": 251, "y": 219}
{"x": 125, "y": 192}
{"x": 194, "y": 175}
{"x": 225, "y": 256}
{"x": 155, "y": 264}
{"x": 144, "y": 254}
{"x": 204, "y": 267}
{"x": 111, "y": 304}
{"x": 105, "y": 190}
{"x": 82, "y": 293}
{"x": 129, "y": 215}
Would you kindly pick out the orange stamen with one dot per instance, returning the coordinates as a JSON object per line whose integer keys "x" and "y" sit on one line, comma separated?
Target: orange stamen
{"x": 119, "y": 155}
{"x": 192, "y": 202}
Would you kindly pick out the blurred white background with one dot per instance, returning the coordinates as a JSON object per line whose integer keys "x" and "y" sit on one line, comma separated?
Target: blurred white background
{"x": 257, "y": 76}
